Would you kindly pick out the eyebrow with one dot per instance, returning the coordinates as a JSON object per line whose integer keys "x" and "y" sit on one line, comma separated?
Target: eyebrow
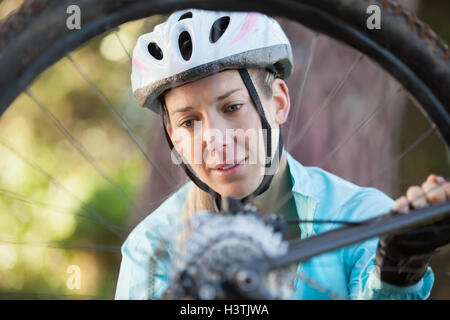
{"x": 226, "y": 95}
{"x": 185, "y": 109}
{"x": 219, "y": 98}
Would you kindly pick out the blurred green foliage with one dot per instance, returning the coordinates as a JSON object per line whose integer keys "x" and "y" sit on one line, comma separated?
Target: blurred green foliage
{"x": 59, "y": 206}
{"x": 45, "y": 228}
{"x": 436, "y": 14}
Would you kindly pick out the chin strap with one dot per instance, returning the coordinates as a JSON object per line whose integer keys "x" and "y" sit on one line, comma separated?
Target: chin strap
{"x": 265, "y": 183}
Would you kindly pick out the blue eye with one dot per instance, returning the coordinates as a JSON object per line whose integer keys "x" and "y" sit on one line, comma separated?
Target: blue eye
{"x": 188, "y": 123}
{"x": 234, "y": 108}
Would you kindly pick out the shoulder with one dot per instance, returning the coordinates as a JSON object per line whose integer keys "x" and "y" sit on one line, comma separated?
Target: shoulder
{"x": 351, "y": 201}
{"x": 147, "y": 234}
{"x": 335, "y": 197}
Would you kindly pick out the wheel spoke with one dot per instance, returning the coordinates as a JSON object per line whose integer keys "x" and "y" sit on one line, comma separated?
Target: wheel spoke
{"x": 96, "y": 215}
{"x": 83, "y": 151}
{"x": 359, "y": 127}
{"x": 32, "y": 202}
{"x": 319, "y": 287}
{"x": 300, "y": 221}
{"x": 116, "y": 32}
{"x": 65, "y": 246}
{"x": 121, "y": 121}
{"x": 302, "y": 87}
{"x": 410, "y": 148}
{"x": 327, "y": 100}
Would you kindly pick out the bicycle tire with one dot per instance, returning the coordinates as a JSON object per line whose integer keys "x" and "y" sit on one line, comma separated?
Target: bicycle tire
{"x": 405, "y": 47}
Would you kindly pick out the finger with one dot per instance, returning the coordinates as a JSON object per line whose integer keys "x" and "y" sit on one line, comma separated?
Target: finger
{"x": 401, "y": 205}
{"x": 416, "y": 197}
{"x": 434, "y": 192}
{"x": 433, "y": 178}
{"x": 441, "y": 180}
{"x": 446, "y": 187}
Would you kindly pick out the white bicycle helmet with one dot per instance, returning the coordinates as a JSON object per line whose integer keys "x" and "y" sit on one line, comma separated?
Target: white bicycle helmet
{"x": 194, "y": 43}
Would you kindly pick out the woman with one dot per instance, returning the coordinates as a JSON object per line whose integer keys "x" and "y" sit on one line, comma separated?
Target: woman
{"x": 217, "y": 80}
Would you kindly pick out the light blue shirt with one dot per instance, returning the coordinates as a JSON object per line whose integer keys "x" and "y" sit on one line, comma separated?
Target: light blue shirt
{"x": 345, "y": 273}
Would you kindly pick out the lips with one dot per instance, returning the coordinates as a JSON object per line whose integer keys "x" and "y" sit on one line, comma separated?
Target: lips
{"x": 227, "y": 166}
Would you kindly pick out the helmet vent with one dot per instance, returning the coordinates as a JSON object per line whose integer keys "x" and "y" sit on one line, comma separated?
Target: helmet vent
{"x": 218, "y": 28}
{"x": 155, "y": 50}
{"x": 186, "y": 15}
{"x": 185, "y": 44}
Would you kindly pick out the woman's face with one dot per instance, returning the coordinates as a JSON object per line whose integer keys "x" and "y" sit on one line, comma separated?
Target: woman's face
{"x": 215, "y": 126}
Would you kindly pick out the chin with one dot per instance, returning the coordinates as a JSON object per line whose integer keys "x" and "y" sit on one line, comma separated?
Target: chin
{"x": 237, "y": 192}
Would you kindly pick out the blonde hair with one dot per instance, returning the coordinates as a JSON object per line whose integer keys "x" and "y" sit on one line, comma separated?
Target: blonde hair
{"x": 197, "y": 200}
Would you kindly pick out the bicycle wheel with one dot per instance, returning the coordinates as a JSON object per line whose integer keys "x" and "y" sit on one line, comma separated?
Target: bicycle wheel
{"x": 404, "y": 47}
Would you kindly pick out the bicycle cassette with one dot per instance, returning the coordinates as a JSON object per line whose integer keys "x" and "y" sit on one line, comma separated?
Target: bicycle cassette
{"x": 216, "y": 244}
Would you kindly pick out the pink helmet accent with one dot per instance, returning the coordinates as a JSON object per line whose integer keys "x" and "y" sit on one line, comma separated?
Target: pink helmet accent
{"x": 249, "y": 22}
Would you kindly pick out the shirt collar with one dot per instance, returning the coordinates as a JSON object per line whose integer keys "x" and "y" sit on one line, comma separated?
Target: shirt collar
{"x": 301, "y": 180}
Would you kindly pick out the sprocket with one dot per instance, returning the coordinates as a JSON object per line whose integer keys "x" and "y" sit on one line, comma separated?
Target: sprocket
{"x": 216, "y": 244}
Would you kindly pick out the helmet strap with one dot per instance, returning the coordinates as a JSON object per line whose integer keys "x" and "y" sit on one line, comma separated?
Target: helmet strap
{"x": 265, "y": 183}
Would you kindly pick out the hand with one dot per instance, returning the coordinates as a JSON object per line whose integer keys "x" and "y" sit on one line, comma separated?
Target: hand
{"x": 435, "y": 190}
{"x": 403, "y": 257}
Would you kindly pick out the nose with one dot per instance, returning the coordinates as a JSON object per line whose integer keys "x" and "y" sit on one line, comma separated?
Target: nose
{"x": 212, "y": 143}
{"x": 214, "y": 135}
{"x": 214, "y": 140}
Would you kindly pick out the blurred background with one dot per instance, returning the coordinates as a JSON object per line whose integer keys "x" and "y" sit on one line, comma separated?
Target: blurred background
{"x": 81, "y": 164}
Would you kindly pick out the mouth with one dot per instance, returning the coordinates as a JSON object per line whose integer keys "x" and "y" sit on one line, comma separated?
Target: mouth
{"x": 226, "y": 168}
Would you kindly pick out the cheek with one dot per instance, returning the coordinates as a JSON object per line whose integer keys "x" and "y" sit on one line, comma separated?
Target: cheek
{"x": 183, "y": 142}
{"x": 257, "y": 145}
{"x": 249, "y": 136}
